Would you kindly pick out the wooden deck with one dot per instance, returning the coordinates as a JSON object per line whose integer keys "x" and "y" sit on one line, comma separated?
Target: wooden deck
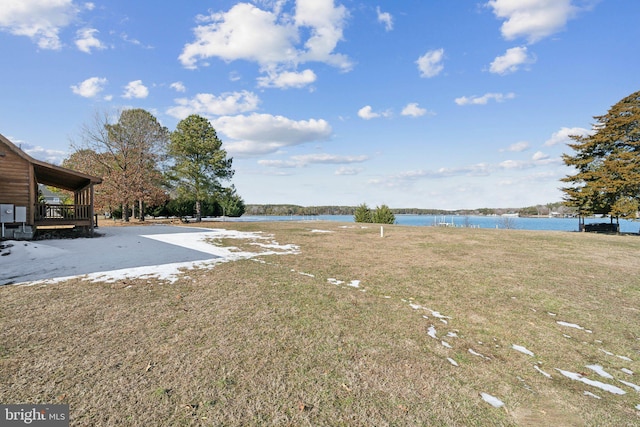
{"x": 58, "y": 214}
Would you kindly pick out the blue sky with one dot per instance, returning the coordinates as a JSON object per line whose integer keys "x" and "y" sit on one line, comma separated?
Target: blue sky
{"x": 413, "y": 103}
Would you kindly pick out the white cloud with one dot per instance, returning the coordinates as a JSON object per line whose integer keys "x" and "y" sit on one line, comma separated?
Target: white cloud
{"x": 511, "y": 61}
{"x": 90, "y": 87}
{"x": 134, "y": 42}
{"x": 518, "y": 147}
{"x": 326, "y": 22}
{"x": 86, "y": 40}
{"x": 562, "y": 136}
{"x": 40, "y": 20}
{"x": 272, "y": 39}
{"x": 257, "y": 134}
{"x": 287, "y": 79}
{"x": 532, "y": 19}
{"x": 244, "y": 32}
{"x": 207, "y": 104}
{"x": 539, "y": 155}
{"x": 307, "y": 159}
{"x": 367, "y": 113}
{"x": 413, "y": 110}
{"x": 178, "y": 87}
{"x": 135, "y": 89}
{"x": 430, "y": 64}
{"x": 46, "y": 155}
{"x": 344, "y": 171}
{"x": 484, "y": 99}
{"x": 514, "y": 164}
{"x": 385, "y": 18}
{"x": 401, "y": 179}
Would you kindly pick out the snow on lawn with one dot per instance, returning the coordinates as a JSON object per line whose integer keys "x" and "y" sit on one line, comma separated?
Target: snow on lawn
{"x": 351, "y": 284}
{"x": 606, "y": 387}
{"x": 541, "y": 371}
{"x": 492, "y": 400}
{"x": 522, "y": 349}
{"x": 432, "y": 333}
{"x": 573, "y": 325}
{"x": 632, "y": 385}
{"x": 205, "y": 241}
{"x": 599, "y": 370}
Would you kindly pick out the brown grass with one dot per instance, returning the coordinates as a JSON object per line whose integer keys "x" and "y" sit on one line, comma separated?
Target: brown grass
{"x": 265, "y": 343}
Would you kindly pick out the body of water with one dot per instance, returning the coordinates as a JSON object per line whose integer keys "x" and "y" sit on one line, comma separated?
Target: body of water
{"x": 552, "y": 224}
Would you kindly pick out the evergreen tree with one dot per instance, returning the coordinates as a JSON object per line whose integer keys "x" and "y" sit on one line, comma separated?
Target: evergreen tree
{"x": 199, "y": 161}
{"x": 607, "y": 163}
{"x": 363, "y": 214}
{"x": 383, "y": 215}
{"x": 231, "y": 203}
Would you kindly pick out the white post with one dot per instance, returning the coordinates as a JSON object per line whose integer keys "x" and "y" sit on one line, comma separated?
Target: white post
{"x": 381, "y": 231}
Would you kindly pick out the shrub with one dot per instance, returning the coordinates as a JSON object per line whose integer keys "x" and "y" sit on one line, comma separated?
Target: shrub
{"x": 363, "y": 214}
{"x": 383, "y": 215}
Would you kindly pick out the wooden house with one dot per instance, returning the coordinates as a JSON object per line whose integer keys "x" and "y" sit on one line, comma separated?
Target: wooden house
{"x": 21, "y": 213}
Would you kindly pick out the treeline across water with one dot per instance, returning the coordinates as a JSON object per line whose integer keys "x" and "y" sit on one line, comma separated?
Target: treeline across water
{"x": 285, "y": 209}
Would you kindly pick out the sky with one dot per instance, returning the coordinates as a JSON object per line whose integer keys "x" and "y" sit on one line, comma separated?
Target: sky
{"x": 456, "y": 104}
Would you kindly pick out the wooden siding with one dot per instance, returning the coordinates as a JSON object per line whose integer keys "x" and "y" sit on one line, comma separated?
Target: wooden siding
{"x": 15, "y": 178}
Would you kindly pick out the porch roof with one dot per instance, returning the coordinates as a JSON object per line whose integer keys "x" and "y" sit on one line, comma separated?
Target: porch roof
{"x": 55, "y": 176}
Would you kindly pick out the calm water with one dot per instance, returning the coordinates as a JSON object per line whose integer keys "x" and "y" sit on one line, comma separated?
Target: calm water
{"x": 555, "y": 224}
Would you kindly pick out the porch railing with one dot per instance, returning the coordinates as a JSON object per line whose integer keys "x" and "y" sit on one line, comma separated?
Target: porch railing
{"x": 59, "y": 213}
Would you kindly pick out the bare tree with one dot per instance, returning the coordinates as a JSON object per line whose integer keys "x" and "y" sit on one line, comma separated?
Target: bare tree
{"x": 128, "y": 152}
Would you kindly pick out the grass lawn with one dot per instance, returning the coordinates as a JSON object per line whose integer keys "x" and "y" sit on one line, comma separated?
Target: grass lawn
{"x": 355, "y": 330}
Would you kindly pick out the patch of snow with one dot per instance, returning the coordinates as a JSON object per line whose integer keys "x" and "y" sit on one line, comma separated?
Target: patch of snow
{"x": 432, "y": 332}
{"x": 608, "y": 353}
{"x": 627, "y": 371}
{"x": 638, "y": 407}
{"x": 453, "y": 362}
{"x": 475, "y": 353}
{"x": 444, "y": 321}
{"x": 599, "y": 370}
{"x": 541, "y": 371}
{"x": 438, "y": 315}
{"x": 204, "y": 241}
{"x": 321, "y": 231}
{"x": 452, "y": 334}
{"x": 569, "y": 325}
{"x": 551, "y": 314}
{"x": 446, "y": 344}
{"x": 165, "y": 272}
{"x": 492, "y": 400}
{"x": 354, "y": 284}
{"x": 334, "y": 281}
{"x": 415, "y": 306}
{"x": 276, "y": 245}
{"x": 632, "y": 385}
{"x": 522, "y": 349}
{"x": 606, "y": 387}
{"x": 588, "y": 393}
{"x": 306, "y": 274}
